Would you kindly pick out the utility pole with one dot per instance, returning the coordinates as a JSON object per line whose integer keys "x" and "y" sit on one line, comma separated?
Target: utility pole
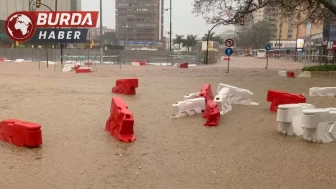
{"x": 309, "y": 44}
{"x": 101, "y": 31}
{"x": 170, "y": 42}
{"x": 125, "y": 26}
{"x": 280, "y": 34}
{"x": 296, "y": 43}
{"x": 207, "y": 44}
{"x": 237, "y": 44}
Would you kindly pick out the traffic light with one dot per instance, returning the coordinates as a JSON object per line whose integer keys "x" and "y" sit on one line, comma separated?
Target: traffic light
{"x": 38, "y": 3}
{"x": 241, "y": 20}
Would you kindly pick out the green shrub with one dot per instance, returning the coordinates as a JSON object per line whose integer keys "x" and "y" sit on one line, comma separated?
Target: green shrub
{"x": 320, "y": 68}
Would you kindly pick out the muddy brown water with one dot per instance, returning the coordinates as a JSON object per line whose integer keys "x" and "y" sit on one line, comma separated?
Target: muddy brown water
{"x": 244, "y": 151}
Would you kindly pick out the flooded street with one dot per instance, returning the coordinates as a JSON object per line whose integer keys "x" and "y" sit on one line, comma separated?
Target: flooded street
{"x": 244, "y": 151}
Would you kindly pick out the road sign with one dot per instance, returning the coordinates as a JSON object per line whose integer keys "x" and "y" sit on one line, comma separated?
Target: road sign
{"x": 228, "y": 51}
{"x": 268, "y": 47}
{"x": 229, "y": 42}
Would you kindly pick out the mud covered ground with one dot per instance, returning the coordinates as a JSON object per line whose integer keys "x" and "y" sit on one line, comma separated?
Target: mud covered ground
{"x": 244, "y": 151}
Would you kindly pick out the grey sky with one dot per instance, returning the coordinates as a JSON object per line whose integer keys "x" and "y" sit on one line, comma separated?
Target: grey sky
{"x": 184, "y": 21}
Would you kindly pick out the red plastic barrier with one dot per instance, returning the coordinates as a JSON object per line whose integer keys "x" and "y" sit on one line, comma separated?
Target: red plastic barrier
{"x": 88, "y": 63}
{"x": 290, "y": 74}
{"x": 211, "y": 113}
{"x": 21, "y": 133}
{"x": 143, "y": 63}
{"x": 184, "y": 65}
{"x": 206, "y": 92}
{"x": 135, "y": 60}
{"x": 77, "y": 67}
{"x": 126, "y": 86}
{"x": 120, "y": 123}
{"x": 2, "y": 59}
{"x": 83, "y": 70}
{"x": 279, "y": 97}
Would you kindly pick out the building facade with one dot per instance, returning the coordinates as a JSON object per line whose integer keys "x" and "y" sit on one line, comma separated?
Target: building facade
{"x": 140, "y": 23}
{"x": 258, "y": 15}
{"x": 248, "y": 23}
{"x": 95, "y": 32}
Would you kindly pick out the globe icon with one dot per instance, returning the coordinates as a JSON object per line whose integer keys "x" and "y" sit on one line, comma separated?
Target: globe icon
{"x": 19, "y": 27}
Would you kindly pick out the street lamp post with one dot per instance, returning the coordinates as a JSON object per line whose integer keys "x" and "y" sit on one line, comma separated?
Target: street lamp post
{"x": 125, "y": 26}
{"x": 296, "y": 49}
{"x": 30, "y": 3}
{"x": 170, "y": 46}
{"x": 170, "y": 27}
{"x": 237, "y": 44}
{"x": 207, "y": 44}
{"x": 101, "y": 31}
{"x": 280, "y": 35}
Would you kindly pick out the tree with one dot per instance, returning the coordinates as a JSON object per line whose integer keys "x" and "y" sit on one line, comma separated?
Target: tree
{"x": 190, "y": 41}
{"x": 178, "y": 40}
{"x": 231, "y": 11}
{"x": 243, "y": 40}
{"x": 219, "y": 39}
{"x": 213, "y": 37}
{"x": 256, "y": 37}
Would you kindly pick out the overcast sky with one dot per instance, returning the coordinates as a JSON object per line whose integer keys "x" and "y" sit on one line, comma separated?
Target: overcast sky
{"x": 183, "y": 20}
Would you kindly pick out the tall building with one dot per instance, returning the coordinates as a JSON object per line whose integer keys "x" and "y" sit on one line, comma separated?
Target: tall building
{"x": 259, "y": 15}
{"x": 7, "y": 7}
{"x": 140, "y": 23}
{"x": 268, "y": 14}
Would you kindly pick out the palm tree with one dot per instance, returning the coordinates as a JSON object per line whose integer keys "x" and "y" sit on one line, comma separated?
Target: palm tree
{"x": 190, "y": 41}
{"x": 178, "y": 40}
{"x": 211, "y": 37}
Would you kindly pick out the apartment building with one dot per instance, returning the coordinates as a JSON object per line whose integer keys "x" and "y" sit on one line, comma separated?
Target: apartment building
{"x": 266, "y": 13}
{"x": 287, "y": 30}
{"x": 140, "y": 22}
{"x": 258, "y": 15}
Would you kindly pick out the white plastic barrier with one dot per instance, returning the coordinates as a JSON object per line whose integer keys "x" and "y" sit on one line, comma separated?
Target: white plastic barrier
{"x": 191, "y": 96}
{"x": 237, "y": 95}
{"x": 19, "y": 60}
{"x": 135, "y": 63}
{"x": 189, "y": 107}
{"x": 289, "y": 118}
{"x": 67, "y": 67}
{"x": 223, "y": 101}
{"x": 323, "y": 91}
{"x": 282, "y": 73}
{"x": 319, "y": 125}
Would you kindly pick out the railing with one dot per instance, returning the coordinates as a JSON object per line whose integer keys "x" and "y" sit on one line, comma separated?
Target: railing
{"x": 307, "y": 59}
{"x": 109, "y": 55}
